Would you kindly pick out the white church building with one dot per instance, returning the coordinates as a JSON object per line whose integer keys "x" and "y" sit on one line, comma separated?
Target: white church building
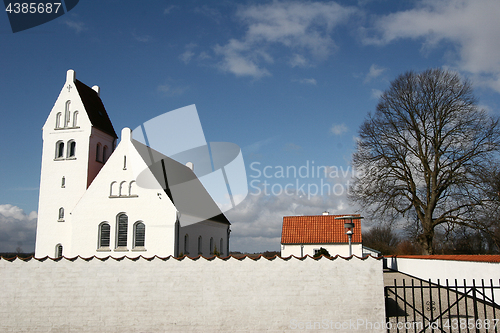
{"x": 90, "y": 203}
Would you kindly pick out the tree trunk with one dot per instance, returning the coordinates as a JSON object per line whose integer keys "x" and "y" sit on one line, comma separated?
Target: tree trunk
{"x": 425, "y": 240}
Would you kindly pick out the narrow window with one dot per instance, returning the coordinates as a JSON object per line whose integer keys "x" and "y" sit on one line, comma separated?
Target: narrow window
{"x": 121, "y": 240}
{"x": 130, "y": 190}
{"x": 122, "y": 188}
{"x": 75, "y": 118}
{"x": 67, "y": 114}
{"x": 59, "y": 251}
{"x": 211, "y": 245}
{"x": 104, "y": 235}
{"x": 221, "y": 249}
{"x": 139, "y": 234}
{"x": 124, "y": 162}
{"x": 61, "y": 214}
{"x": 112, "y": 189}
{"x": 186, "y": 244}
{"x": 98, "y": 152}
{"x": 199, "y": 245}
{"x": 59, "y": 149}
{"x": 58, "y": 120}
{"x": 63, "y": 182}
{"x": 71, "y": 148}
{"x": 105, "y": 153}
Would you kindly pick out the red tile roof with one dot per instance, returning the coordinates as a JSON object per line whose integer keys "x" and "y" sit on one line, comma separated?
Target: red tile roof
{"x": 455, "y": 257}
{"x": 318, "y": 229}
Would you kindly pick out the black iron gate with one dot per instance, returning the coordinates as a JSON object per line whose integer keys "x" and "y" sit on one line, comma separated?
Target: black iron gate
{"x": 422, "y": 306}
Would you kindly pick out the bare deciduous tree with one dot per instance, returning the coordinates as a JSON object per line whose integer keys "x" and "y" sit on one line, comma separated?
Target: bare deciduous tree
{"x": 422, "y": 153}
{"x": 381, "y": 238}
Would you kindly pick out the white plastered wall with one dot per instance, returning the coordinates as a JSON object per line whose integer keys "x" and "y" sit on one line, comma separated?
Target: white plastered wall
{"x": 53, "y": 195}
{"x": 192, "y": 295}
{"x": 450, "y": 270}
{"x": 102, "y": 204}
{"x": 207, "y": 230}
{"x": 308, "y": 249}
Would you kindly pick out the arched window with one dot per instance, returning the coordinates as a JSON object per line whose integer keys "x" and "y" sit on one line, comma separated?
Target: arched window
{"x": 221, "y": 248}
{"x": 113, "y": 189}
{"x": 63, "y": 182}
{"x": 186, "y": 244}
{"x": 67, "y": 114}
{"x": 121, "y": 239}
{"x": 59, "y": 251}
{"x": 71, "y": 148}
{"x": 105, "y": 153}
{"x": 199, "y": 245}
{"x": 104, "y": 234}
{"x": 75, "y": 118}
{"x": 58, "y": 120}
{"x": 60, "y": 149}
{"x": 211, "y": 245}
{"x": 98, "y": 155}
{"x": 61, "y": 214}
{"x": 139, "y": 234}
{"x": 130, "y": 188}
{"x": 122, "y": 189}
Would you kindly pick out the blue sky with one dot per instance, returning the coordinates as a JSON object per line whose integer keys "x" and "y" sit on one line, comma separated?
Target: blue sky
{"x": 289, "y": 82}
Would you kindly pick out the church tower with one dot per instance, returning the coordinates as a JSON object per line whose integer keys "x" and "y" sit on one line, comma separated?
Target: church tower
{"x": 78, "y": 138}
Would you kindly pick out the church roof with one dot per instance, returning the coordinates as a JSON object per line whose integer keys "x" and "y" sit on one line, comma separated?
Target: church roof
{"x": 181, "y": 185}
{"x": 95, "y": 109}
{"x": 318, "y": 229}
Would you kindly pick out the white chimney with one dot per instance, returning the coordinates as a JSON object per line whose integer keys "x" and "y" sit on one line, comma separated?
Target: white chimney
{"x": 97, "y": 90}
{"x": 190, "y": 165}
{"x": 325, "y": 212}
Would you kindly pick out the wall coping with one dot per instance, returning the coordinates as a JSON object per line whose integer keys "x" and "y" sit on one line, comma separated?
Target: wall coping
{"x": 492, "y": 258}
{"x": 199, "y": 257}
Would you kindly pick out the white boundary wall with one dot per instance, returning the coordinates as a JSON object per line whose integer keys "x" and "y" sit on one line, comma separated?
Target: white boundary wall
{"x": 435, "y": 269}
{"x": 171, "y": 295}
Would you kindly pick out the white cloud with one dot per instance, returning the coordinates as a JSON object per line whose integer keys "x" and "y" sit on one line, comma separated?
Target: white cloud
{"x": 169, "y": 9}
{"x": 17, "y": 229}
{"x": 210, "y": 12}
{"x": 190, "y": 54}
{"x": 141, "y": 38}
{"x": 256, "y": 222}
{"x": 203, "y": 56}
{"x": 256, "y": 147}
{"x": 186, "y": 56}
{"x": 77, "y": 26}
{"x": 374, "y": 72}
{"x": 338, "y": 129}
{"x": 472, "y": 25}
{"x": 299, "y": 60}
{"x": 307, "y": 81}
{"x": 235, "y": 62}
{"x": 170, "y": 90}
{"x": 304, "y": 28}
{"x": 292, "y": 147}
{"x": 376, "y": 93}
